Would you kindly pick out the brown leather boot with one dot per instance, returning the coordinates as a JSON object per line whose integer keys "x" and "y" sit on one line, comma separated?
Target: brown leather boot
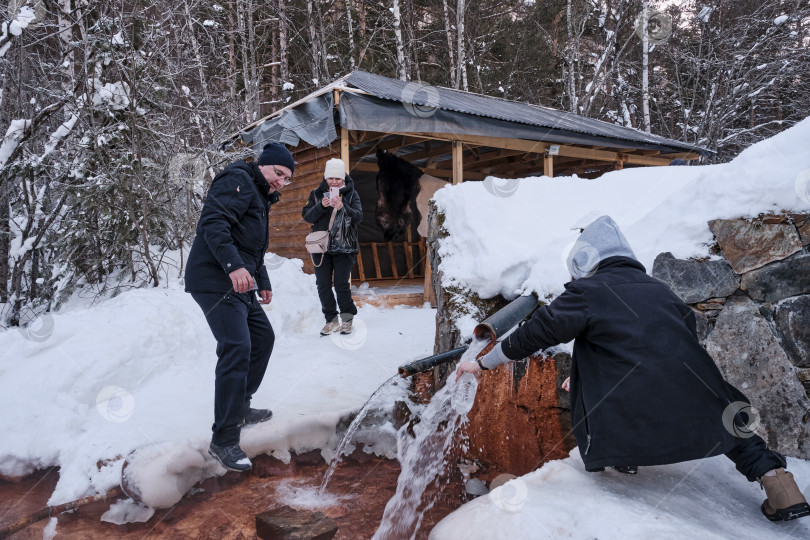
{"x": 785, "y": 501}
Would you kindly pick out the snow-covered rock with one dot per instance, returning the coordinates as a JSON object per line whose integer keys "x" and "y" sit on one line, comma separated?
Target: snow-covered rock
{"x": 511, "y": 236}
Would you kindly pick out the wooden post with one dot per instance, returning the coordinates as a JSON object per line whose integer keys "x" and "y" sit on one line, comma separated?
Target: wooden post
{"x": 344, "y": 138}
{"x": 430, "y": 294}
{"x": 360, "y": 271}
{"x": 548, "y": 165}
{"x": 393, "y": 260}
{"x": 376, "y": 259}
{"x": 458, "y": 163}
{"x": 409, "y": 252}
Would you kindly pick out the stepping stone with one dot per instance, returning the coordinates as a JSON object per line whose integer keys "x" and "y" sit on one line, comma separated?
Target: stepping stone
{"x": 286, "y": 523}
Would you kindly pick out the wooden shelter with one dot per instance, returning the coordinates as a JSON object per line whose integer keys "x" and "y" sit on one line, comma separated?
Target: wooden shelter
{"x": 449, "y": 134}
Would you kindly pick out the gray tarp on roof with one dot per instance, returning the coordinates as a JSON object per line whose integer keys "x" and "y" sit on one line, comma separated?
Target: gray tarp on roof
{"x": 367, "y": 113}
{"x": 313, "y": 122}
{"x": 426, "y": 98}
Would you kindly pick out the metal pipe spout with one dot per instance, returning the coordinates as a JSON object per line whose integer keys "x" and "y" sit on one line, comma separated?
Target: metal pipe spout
{"x": 493, "y": 327}
{"x": 430, "y": 362}
{"x": 503, "y": 320}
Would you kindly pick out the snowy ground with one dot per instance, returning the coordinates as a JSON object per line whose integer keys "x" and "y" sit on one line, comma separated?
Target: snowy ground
{"x": 704, "y": 499}
{"x": 133, "y": 376}
{"x": 136, "y": 373}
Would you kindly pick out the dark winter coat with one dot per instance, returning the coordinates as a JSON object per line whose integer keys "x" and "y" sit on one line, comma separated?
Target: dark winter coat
{"x": 232, "y": 231}
{"x": 643, "y": 389}
{"x": 343, "y": 235}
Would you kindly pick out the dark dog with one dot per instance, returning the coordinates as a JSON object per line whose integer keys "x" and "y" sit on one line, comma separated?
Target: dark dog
{"x": 398, "y": 186}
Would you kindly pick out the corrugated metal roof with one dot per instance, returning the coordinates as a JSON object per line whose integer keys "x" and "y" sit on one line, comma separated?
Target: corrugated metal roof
{"x": 502, "y": 109}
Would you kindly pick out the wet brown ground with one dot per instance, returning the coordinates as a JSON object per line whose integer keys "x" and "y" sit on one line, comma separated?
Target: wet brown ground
{"x": 226, "y": 507}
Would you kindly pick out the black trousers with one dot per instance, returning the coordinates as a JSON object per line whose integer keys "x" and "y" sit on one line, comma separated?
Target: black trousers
{"x": 753, "y": 458}
{"x": 244, "y": 343}
{"x": 340, "y": 267}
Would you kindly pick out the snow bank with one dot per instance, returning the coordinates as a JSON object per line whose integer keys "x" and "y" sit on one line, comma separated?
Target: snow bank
{"x": 512, "y": 236}
{"x": 706, "y": 499}
{"x": 132, "y": 378}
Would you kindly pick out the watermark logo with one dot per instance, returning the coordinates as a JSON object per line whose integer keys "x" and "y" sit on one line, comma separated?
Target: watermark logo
{"x": 741, "y": 419}
{"x": 802, "y": 186}
{"x": 659, "y": 27}
{"x": 501, "y": 187}
{"x": 427, "y": 95}
{"x": 115, "y": 404}
{"x": 35, "y": 327}
{"x": 353, "y": 341}
{"x": 508, "y": 493}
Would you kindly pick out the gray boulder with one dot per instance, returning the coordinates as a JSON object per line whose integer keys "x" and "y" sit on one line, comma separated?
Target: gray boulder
{"x": 695, "y": 281}
{"x": 747, "y": 245}
{"x": 779, "y": 280}
{"x": 750, "y": 358}
{"x": 792, "y": 320}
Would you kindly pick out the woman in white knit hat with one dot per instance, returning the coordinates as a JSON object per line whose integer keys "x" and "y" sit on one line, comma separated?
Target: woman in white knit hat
{"x": 336, "y": 195}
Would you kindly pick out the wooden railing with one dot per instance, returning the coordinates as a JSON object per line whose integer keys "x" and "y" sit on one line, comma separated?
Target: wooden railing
{"x": 415, "y": 263}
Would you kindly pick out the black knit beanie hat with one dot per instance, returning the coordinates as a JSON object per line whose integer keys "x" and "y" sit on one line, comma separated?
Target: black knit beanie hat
{"x": 276, "y": 154}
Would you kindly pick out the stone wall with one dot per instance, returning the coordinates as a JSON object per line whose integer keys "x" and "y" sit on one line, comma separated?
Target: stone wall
{"x": 753, "y": 311}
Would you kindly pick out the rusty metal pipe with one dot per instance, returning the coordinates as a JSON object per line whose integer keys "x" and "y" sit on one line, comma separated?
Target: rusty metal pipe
{"x": 430, "y": 362}
{"x": 53, "y": 511}
{"x": 506, "y": 318}
{"x": 493, "y": 327}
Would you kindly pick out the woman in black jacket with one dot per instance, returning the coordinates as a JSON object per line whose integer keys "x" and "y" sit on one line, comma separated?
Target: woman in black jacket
{"x": 335, "y": 266}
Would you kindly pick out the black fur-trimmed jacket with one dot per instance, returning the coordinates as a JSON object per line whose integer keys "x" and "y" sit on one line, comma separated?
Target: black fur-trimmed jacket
{"x": 346, "y": 220}
{"x": 232, "y": 231}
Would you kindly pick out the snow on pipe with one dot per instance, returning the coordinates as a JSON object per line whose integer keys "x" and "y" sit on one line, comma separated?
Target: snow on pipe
{"x": 493, "y": 327}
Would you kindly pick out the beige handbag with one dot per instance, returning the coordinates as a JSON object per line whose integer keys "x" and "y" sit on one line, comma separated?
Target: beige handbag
{"x": 318, "y": 241}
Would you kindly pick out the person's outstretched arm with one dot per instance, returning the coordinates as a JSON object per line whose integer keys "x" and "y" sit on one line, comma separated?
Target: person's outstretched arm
{"x": 562, "y": 320}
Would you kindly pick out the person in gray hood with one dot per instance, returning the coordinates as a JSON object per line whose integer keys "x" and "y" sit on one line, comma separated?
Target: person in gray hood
{"x": 643, "y": 390}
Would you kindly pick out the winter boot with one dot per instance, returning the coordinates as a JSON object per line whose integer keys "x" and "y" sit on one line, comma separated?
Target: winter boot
{"x": 346, "y": 327}
{"x": 785, "y": 501}
{"x": 627, "y": 469}
{"x": 230, "y": 457}
{"x": 331, "y": 327}
{"x": 257, "y": 416}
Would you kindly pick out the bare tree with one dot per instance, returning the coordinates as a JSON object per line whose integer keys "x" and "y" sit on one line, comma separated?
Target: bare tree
{"x": 645, "y": 63}
{"x": 401, "y": 66}
{"x": 461, "y": 77}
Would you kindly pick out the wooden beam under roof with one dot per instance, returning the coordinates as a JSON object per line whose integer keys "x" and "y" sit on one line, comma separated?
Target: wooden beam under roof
{"x": 367, "y": 166}
{"x": 503, "y": 156}
{"x": 440, "y": 150}
{"x": 537, "y": 146}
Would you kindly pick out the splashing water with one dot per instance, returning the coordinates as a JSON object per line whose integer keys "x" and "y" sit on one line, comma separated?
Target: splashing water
{"x": 353, "y": 427}
{"x": 422, "y": 458}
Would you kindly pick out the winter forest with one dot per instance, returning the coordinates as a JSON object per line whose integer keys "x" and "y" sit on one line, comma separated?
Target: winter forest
{"x": 111, "y": 111}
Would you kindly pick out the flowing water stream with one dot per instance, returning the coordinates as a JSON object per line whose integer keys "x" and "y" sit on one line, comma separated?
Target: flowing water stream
{"x": 422, "y": 451}
{"x": 353, "y": 427}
